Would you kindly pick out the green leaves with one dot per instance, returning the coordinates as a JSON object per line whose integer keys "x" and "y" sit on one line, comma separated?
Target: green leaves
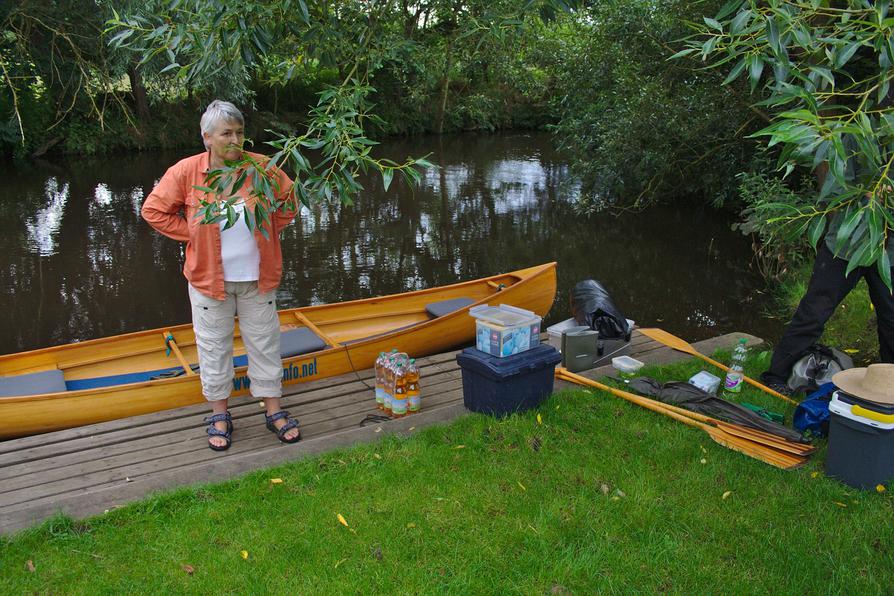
{"x": 829, "y": 77}
{"x": 341, "y": 153}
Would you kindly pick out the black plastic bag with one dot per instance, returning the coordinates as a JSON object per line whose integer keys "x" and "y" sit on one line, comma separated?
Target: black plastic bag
{"x": 592, "y": 306}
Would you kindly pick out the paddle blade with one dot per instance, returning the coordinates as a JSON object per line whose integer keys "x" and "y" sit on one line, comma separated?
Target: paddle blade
{"x": 784, "y": 461}
{"x": 668, "y": 339}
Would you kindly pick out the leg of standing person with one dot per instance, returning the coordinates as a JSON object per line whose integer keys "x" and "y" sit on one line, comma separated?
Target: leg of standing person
{"x": 259, "y": 326}
{"x": 827, "y": 288}
{"x": 213, "y": 324}
{"x": 883, "y": 301}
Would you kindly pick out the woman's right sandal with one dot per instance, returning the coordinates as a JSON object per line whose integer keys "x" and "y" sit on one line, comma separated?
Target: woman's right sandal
{"x": 281, "y": 432}
{"x": 213, "y": 431}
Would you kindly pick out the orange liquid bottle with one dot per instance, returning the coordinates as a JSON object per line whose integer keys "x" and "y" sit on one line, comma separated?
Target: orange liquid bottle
{"x": 399, "y": 399}
{"x": 414, "y": 399}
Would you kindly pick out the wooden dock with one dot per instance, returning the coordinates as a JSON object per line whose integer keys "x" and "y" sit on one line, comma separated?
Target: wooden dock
{"x": 87, "y": 470}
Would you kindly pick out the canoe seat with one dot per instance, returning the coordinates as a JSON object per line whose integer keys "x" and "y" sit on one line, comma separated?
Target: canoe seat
{"x": 295, "y": 342}
{"x": 445, "y": 307}
{"x": 50, "y": 381}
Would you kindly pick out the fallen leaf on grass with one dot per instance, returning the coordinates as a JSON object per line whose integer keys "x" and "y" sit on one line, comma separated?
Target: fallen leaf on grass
{"x": 557, "y": 408}
{"x": 840, "y": 504}
{"x": 620, "y": 493}
{"x": 604, "y": 488}
{"x": 880, "y": 488}
{"x": 342, "y": 520}
{"x": 703, "y": 449}
{"x": 30, "y": 565}
{"x": 189, "y": 569}
{"x": 460, "y": 447}
{"x": 702, "y": 461}
{"x": 616, "y": 498}
{"x": 539, "y": 419}
{"x": 411, "y": 525}
{"x": 521, "y": 486}
{"x": 339, "y": 563}
{"x": 244, "y": 554}
{"x": 852, "y": 350}
{"x": 726, "y": 494}
{"x": 814, "y": 474}
{"x": 276, "y": 481}
{"x": 377, "y": 456}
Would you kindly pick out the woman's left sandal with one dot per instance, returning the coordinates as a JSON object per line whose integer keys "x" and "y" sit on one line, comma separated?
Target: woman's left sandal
{"x": 213, "y": 431}
{"x": 281, "y": 432}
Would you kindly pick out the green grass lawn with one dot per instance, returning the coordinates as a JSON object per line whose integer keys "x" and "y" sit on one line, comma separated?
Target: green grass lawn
{"x": 599, "y": 496}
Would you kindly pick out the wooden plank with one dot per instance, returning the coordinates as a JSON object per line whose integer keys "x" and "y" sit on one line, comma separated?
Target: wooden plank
{"x": 122, "y": 429}
{"x": 138, "y": 438}
{"x": 95, "y": 502}
{"x": 259, "y": 441}
{"x": 80, "y": 464}
{"x": 83, "y": 471}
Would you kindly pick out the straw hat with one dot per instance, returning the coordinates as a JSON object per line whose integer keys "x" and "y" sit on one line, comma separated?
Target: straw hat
{"x": 875, "y": 383}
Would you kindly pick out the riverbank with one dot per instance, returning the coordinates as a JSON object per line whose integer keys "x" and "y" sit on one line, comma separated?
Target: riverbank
{"x": 585, "y": 492}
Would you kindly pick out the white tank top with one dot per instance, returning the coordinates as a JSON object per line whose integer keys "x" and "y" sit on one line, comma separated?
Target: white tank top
{"x": 239, "y": 250}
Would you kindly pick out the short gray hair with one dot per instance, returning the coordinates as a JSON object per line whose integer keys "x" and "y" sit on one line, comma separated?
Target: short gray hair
{"x": 217, "y": 111}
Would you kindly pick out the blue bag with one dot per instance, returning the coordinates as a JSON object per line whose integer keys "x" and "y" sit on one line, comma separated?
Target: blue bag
{"x": 812, "y": 414}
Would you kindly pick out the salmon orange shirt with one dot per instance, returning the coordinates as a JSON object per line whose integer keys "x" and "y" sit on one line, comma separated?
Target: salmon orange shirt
{"x": 171, "y": 209}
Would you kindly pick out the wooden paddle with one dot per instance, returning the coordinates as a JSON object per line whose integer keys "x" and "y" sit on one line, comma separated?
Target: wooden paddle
{"x": 171, "y": 343}
{"x": 672, "y": 341}
{"x": 752, "y": 434}
{"x": 766, "y": 454}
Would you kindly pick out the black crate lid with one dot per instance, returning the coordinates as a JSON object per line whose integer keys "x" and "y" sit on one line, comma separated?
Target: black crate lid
{"x": 538, "y": 357}
{"x": 865, "y": 403}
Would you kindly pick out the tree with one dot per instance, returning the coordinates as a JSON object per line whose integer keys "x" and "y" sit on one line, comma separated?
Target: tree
{"x": 203, "y": 39}
{"x": 826, "y": 68}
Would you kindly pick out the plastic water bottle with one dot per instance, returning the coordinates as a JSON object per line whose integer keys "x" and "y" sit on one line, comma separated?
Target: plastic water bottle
{"x": 414, "y": 401}
{"x": 399, "y": 397}
{"x": 733, "y": 381}
{"x": 380, "y": 381}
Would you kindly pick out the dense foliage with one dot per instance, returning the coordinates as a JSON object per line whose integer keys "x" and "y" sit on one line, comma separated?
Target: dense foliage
{"x": 637, "y": 126}
{"x": 827, "y": 69}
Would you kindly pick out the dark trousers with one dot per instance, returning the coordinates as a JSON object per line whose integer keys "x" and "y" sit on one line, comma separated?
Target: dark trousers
{"x": 828, "y": 287}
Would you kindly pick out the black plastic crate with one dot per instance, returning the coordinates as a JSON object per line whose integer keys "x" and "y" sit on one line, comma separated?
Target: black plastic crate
{"x": 501, "y": 386}
{"x": 860, "y": 455}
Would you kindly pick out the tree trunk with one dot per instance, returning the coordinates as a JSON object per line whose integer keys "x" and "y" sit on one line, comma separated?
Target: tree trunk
{"x": 139, "y": 93}
{"x": 445, "y": 84}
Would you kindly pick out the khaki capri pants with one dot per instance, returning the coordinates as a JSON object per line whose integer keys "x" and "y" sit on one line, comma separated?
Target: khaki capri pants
{"x": 213, "y": 323}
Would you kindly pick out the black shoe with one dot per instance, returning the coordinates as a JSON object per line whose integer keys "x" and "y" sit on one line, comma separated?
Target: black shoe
{"x": 780, "y": 387}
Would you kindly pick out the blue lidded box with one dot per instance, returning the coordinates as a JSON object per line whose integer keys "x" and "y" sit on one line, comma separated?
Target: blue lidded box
{"x": 505, "y": 330}
{"x": 501, "y": 386}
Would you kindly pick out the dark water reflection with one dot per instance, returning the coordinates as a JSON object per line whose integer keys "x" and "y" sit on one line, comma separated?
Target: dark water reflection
{"x": 79, "y": 263}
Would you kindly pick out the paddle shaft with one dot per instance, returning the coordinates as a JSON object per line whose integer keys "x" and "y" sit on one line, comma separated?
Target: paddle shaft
{"x": 672, "y": 341}
{"x": 172, "y": 343}
{"x": 747, "y": 446}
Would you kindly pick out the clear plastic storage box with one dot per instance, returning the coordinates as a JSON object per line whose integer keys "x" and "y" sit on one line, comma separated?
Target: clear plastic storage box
{"x": 505, "y": 330}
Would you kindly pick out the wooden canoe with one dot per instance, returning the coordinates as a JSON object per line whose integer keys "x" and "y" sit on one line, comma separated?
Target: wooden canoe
{"x": 357, "y": 332}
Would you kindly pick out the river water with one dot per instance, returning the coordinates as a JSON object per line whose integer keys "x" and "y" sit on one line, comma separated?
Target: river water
{"x": 79, "y": 263}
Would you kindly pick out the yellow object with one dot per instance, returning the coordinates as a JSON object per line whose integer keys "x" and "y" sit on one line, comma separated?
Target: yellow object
{"x": 342, "y": 521}
{"x": 276, "y": 481}
{"x": 360, "y": 328}
{"x": 244, "y": 554}
{"x": 872, "y": 415}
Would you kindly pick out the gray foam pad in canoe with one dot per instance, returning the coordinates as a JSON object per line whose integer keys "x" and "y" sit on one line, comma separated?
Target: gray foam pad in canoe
{"x": 295, "y": 342}
{"x": 445, "y": 307}
{"x": 50, "y": 381}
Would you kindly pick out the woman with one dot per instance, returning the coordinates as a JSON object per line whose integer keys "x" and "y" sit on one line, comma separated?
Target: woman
{"x": 230, "y": 272}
